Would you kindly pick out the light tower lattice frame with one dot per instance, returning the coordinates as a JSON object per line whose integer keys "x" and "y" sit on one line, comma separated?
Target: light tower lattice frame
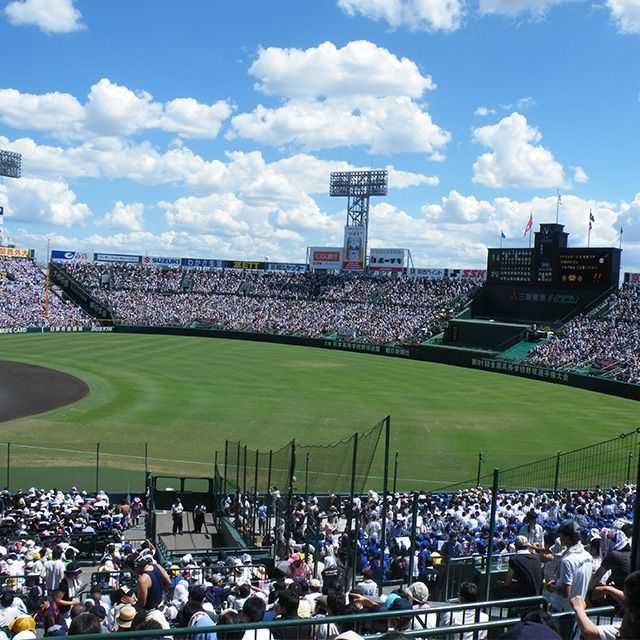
{"x": 358, "y": 187}
{"x": 10, "y": 167}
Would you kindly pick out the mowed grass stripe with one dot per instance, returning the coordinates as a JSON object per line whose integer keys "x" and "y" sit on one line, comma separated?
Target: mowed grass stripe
{"x": 186, "y": 395}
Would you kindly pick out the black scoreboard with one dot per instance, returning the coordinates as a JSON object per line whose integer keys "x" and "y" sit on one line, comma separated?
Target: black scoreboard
{"x": 548, "y": 281}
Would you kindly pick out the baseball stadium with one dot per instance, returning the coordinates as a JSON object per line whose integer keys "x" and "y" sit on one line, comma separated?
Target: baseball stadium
{"x": 275, "y": 393}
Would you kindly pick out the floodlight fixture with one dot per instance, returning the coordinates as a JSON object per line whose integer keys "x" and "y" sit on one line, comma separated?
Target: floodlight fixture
{"x": 10, "y": 164}
{"x": 359, "y": 183}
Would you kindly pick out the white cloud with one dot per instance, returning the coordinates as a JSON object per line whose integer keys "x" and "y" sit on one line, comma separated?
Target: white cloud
{"x": 482, "y": 112}
{"x": 126, "y": 216}
{"x": 360, "y": 94}
{"x": 46, "y": 201}
{"x": 580, "y": 175}
{"x": 626, "y": 14}
{"x": 417, "y": 15}
{"x": 248, "y": 174}
{"x": 516, "y": 159}
{"x": 50, "y": 16}
{"x": 458, "y": 208}
{"x": 358, "y": 68}
{"x": 535, "y": 8}
{"x": 384, "y": 125}
{"x": 110, "y": 110}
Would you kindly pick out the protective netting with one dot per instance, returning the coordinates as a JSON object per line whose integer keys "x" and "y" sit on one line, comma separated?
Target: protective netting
{"x": 331, "y": 468}
{"x": 604, "y": 464}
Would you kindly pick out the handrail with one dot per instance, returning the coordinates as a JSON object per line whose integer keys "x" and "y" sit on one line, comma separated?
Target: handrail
{"x": 364, "y": 617}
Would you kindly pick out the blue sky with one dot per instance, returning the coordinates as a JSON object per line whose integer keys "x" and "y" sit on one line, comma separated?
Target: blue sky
{"x": 209, "y": 128}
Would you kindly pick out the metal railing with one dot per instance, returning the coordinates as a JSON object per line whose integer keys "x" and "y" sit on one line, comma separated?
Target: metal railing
{"x": 413, "y": 623}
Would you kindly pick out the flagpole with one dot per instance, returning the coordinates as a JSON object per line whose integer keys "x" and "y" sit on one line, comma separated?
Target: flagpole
{"x": 530, "y": 233}
{"x": 501, "y": 239}
{"x": 620, "y": 243}
{"x": 558, "y": 207}
{"x": 589, "y": 230}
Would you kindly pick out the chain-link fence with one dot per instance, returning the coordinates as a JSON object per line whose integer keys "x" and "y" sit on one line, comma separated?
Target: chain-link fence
{"x": 603, "y": 464}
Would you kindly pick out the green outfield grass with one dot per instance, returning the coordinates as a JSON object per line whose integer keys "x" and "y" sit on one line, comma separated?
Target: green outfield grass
{"x": 185, "y": 395}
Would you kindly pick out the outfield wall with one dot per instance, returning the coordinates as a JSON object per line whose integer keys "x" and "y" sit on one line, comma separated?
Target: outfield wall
{"x": 470, "y": 358}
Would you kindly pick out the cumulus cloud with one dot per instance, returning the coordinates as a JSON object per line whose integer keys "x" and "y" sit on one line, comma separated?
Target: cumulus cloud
{"x": 50, "y": 16}
{"x": 126, "y": 216}
{"x": 47, "y": 201}
{"x": 358, "y": 68}
{"x": 516, "y": 158}
{"x": 110, "y": 110}
{"x": 359, "y": 95}
{"x": 417, "y": 15}
{"x": 384, "y": 125}
{"x": 626, "y": 15}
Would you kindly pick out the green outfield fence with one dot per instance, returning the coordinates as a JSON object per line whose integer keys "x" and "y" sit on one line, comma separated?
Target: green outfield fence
{"x": 607, "y": 463}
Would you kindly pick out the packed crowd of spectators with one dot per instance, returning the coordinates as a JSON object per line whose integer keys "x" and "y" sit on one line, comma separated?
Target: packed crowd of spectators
{"x": 570, "y": 547}
{"x": 22, "y": 298}
{"x": 375, "y": 309}
{"x": 606, "y": 344}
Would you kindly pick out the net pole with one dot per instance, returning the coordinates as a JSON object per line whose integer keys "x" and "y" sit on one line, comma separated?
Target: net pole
{"x": 288, "y": 515}
{"x": 8, "y": 466}
{"x": 556, "y": 480}
{"x": 352, "y": 491}
{"x": 146, "y": 462}
{"x": 395, "y": 472}
{"x": 254, "y": 508}
{"x": 269, "y": 497}
{"x": 306, "y": 477}
{"x": 385, "y": 488}
{"x": 629, "y": 463}
{"x": 355, "y": 550}
{"x": 97, "y": 467}
{"x": 414, "y": 527}
{"x": 492, "y": 530}
{"x": 216, "y": 485}
{"x": 244, "y": 473}
{"x": 479, "y": 474}
{"x": 226, "y": 458}
{"x": 237, "y": 492}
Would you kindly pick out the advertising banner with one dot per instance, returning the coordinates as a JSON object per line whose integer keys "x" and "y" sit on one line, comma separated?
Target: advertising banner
{"x": 117, "y": 258}
{"x": 386, "y": 260}
{"x": 432, "y": 274}
{"x": 286, "y": 266}
{"x": 202, "y": 263}
{"x": 160, "y": 261}
{"x": 632, "y": 278}
{"x": 245, "y": 264}
{"x": 325, "y": 257}
{"x": 474, "y": 274}
{"x": 354, "y": 248}
{"x": 71, "y": 256}
{"x": 13, "y": 252}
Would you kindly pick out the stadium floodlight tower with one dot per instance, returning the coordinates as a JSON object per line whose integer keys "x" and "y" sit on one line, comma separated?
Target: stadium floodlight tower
{"x": 357, "y": 187}
{"x": 10, "y": 167}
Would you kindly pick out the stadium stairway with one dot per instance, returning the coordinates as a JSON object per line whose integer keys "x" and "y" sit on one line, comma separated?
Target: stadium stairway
{"x": 518, "y": 351}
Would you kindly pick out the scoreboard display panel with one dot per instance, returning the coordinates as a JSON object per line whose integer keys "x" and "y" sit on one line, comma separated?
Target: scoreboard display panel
{"x": 507, "y": 266}
{"x": 584, "y": 268}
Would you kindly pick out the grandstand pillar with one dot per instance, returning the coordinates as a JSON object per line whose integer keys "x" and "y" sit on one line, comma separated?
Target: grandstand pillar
{"x": 385, "y": 489}
{"x": 492, "y": 531}
{"x": 414, "y": 526}
{"x": 635, "y": 534}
